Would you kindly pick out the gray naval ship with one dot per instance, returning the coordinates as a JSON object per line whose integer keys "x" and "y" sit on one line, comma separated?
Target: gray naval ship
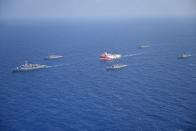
{"x": 143, "y": 46}
{"x": 53, "y": 57}
{"x": 184, "y": 56}
{"x": 29, "y": 67}
{"x": 116, "y": 66}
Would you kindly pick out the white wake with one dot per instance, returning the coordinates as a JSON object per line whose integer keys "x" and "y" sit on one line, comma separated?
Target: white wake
{"x": 136, "y": 54}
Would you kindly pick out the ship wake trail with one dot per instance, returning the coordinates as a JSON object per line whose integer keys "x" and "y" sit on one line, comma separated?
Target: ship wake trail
{"x": 61, "y": 65}
{"x": 130, "y": 55}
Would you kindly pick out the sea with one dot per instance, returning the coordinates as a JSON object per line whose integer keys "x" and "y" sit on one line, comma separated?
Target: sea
{"x": 155, "y": 92}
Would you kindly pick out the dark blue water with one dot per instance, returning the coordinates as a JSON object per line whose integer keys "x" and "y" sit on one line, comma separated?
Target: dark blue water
{"x": 156, "y": 92}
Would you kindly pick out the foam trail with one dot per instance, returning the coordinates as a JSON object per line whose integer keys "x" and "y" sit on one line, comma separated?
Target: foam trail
{"x": 132, "y": 55}
{"x": 58, "y": 65}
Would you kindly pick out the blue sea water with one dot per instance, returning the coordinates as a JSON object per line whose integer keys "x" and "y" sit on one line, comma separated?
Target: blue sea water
{"x": 155, "y": 92}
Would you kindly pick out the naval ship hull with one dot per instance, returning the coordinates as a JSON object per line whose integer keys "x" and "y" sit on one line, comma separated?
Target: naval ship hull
{"x": 29, "y": 69}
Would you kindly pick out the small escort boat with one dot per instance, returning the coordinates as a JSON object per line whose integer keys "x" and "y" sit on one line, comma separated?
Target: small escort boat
{"x": 184, "y": 56}
{"x": 53, "y": 57}
{"x": 143, "y": 46}
{"x": 108, "y": 57}
{"x": 116, "y": 66}
{"x": 29, "y": 67}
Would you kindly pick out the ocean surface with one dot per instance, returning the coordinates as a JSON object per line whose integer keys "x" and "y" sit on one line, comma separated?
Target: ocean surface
{"x": 155, "y": 92}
